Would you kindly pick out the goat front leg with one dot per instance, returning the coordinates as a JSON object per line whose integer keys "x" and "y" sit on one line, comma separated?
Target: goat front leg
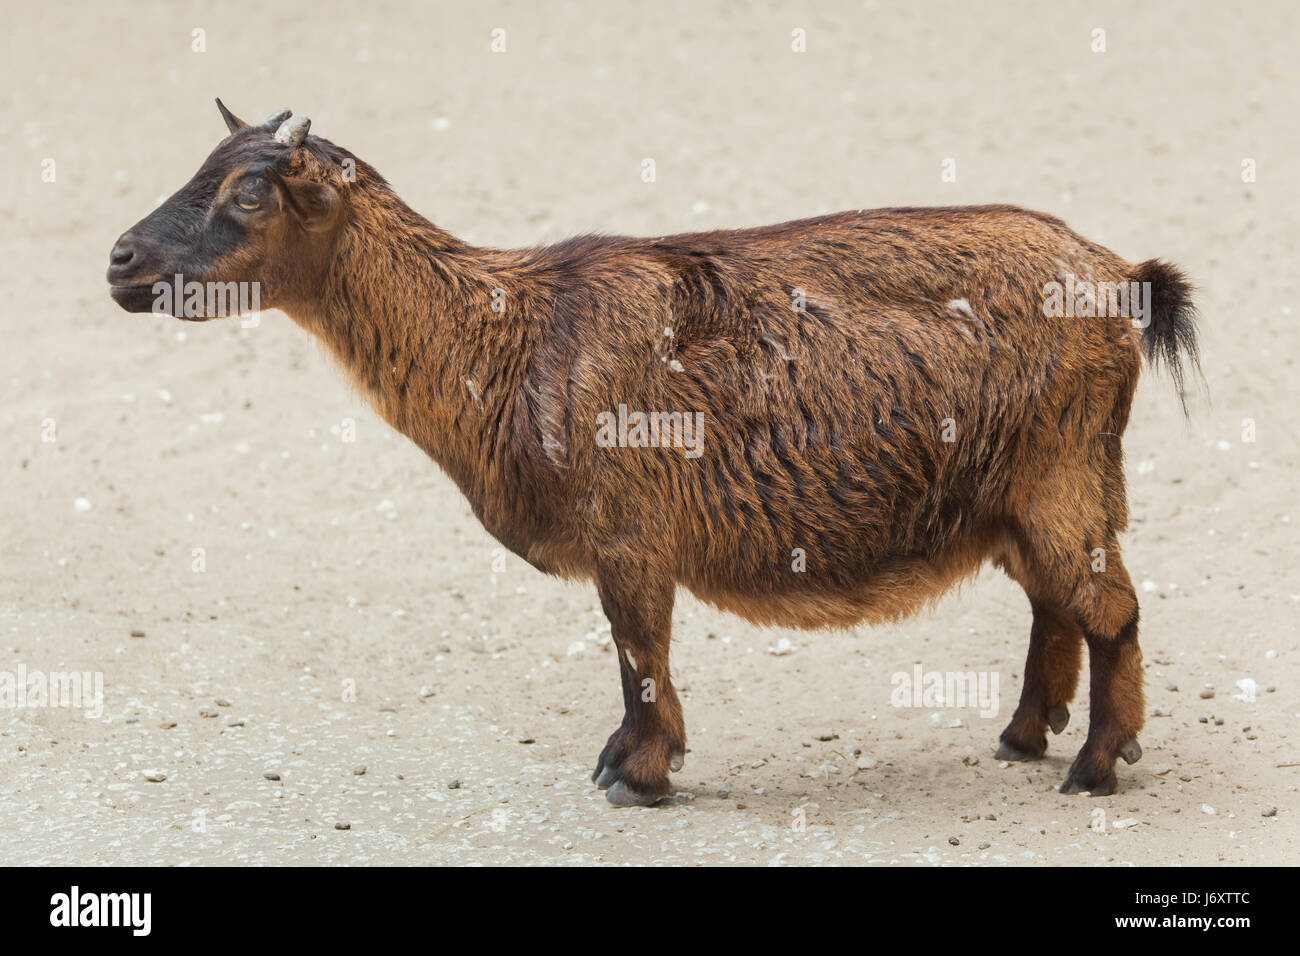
{"x": 633, "y": 768}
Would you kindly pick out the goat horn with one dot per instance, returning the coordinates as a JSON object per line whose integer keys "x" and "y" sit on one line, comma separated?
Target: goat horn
{"x": 274, "y": 121}
{"x": 293, "y": 131}
{"x": 233, "y": 122}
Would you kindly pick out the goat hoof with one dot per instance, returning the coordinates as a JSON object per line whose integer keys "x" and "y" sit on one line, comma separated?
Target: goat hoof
{"x": 1057, "y": 718}
{"x": 677, "y": 759}
{"x": 622, "y": 795}
{"x": 1009, "y": 751}
{"x": 1131, "y": 751}
{"x": 604, "y": 777}
{"x": 1079, "y": 781}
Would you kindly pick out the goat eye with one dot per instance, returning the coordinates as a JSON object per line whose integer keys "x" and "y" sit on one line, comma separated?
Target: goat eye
{"x": 249, "y": 195}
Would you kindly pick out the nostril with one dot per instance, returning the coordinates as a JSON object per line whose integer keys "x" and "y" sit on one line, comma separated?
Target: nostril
{"x": 122, "y": 261}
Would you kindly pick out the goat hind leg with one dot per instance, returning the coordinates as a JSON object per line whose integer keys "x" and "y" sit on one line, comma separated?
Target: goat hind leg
{"x": 1051, "y": 676}
{"x": 1110, "y": 627}
{"x": 1063, "y": 519}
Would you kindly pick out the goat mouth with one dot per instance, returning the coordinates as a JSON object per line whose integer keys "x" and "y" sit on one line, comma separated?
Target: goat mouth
{"x": 133, "y": 296}
{"x": 141, "y": 297}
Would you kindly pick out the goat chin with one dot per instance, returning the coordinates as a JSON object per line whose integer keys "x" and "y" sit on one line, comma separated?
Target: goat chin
{"x": 134, "y": 298}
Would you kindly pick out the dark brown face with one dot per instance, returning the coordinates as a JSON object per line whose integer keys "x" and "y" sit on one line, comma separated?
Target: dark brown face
{"x": 229, "y": 241}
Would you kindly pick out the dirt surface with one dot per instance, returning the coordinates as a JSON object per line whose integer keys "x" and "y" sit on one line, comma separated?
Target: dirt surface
{"x": 350, "y": 613}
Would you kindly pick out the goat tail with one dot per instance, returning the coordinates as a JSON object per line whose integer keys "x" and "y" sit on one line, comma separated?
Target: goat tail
{"x": 1169, "y": 336}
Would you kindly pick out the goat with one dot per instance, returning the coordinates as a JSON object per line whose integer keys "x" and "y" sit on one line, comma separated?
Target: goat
{"x": 878, "y": 403}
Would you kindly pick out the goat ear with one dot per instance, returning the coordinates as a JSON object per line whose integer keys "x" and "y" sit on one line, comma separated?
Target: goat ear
{"x": 233, "y": 122}
{"x": 312, "y": 204}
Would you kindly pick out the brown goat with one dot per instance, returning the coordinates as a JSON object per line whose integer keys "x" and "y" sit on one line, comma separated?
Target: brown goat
{"x": 810, "y": 424}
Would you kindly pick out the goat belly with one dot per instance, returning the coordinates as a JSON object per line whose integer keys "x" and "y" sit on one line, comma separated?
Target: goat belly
{"x": 852, "y": 526}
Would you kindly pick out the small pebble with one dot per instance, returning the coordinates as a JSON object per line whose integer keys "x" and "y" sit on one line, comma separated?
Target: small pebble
{"x": 1270, "y": 812}
{"x": 271, "y": 776}
{"x": 154, "y": 776}
{"x": 358, "y": 771}
{"x": 1207, "y": 694}
{"x": 137, "y": 633}
{"x": 454, "y": 785}
{"x": 954, "y": 841}
{"x": 342, "y": 826}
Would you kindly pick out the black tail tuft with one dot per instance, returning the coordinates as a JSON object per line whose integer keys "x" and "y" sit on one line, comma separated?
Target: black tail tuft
{"x": 1170, "y": 336}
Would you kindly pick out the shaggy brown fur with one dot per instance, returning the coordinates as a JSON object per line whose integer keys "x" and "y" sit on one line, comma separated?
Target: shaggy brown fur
{"x": 885, "y": 406}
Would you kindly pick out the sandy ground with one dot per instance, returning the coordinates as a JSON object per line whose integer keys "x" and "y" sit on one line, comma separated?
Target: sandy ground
{"x": 352, "y": 614}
